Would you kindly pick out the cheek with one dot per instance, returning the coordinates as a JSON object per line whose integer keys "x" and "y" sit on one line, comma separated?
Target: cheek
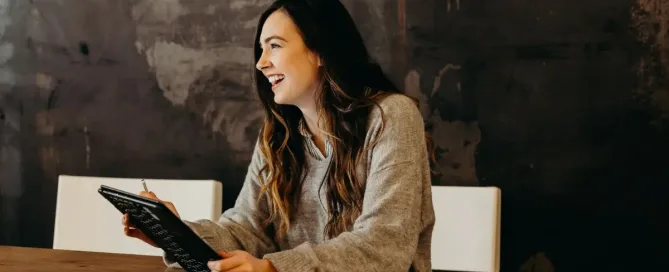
{"x": 303, "y": 73}
{"x": 309, "y": 70}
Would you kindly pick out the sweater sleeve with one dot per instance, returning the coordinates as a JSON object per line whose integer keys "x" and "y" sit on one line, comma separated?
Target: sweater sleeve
{"x": 240, "y": 227}
{"x": 386, "y": 234}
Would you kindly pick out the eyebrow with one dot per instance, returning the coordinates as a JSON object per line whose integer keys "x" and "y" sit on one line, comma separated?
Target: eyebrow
{"x": 268, "y": 39}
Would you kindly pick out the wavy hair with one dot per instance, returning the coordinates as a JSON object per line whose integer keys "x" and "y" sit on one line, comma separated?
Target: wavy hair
{"x": 351, "y": 85}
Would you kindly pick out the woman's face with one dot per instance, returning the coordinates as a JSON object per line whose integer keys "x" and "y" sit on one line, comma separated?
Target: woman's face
{"x": 291, "y": 67}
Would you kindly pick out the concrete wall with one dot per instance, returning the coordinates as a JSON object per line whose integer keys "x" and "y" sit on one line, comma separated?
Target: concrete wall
{"x": 562, "y": 104}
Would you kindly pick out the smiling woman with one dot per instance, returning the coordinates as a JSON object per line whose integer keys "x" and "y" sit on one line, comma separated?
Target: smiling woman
{"x": 286, "y": 61}
{"x": 339, "y": 179}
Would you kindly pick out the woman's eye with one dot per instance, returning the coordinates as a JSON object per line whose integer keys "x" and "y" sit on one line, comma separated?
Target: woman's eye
{"x": 274, "y": 45}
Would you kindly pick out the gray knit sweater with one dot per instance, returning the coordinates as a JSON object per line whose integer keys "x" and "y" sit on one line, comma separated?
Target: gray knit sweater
{"x": 394, "y": 231}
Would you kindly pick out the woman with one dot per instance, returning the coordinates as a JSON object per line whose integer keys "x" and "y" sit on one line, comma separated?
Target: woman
{"x": 339, "y": 179}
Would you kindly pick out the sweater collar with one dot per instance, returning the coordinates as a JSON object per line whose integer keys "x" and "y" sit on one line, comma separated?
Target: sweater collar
{"x": 311, "y": 146}
{"x": 302, "y": 127}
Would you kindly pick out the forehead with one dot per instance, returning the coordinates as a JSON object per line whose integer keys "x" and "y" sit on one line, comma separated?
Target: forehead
{"x": 279, "y": 24}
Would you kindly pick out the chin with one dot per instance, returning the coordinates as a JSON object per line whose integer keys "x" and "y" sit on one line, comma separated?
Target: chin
{"x": 283, "y": 99}
{"x": 280, "y": 100}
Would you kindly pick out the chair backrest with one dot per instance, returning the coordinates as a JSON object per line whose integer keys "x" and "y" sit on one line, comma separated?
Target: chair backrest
{"x": 466, "y": 234}
{"x": 85, "y": 221}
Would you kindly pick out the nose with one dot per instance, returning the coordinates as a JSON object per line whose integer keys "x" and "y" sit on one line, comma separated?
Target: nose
{"x": 263, "y": 62}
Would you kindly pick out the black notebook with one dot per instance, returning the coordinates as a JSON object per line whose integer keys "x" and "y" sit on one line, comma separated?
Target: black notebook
{"x": 164, "y": 228}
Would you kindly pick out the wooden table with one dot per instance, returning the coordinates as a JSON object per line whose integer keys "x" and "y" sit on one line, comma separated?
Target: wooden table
{"x": 22, "y": 259}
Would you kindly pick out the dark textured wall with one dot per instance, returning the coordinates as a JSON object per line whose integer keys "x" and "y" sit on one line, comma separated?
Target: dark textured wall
{"x": 561, "y": 104}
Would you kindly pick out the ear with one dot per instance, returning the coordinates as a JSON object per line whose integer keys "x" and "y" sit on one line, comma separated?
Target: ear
{"x": 315, "y": 58}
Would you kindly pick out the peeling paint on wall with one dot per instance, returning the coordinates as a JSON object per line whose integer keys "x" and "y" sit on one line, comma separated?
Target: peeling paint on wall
{"x": 203, "y": 64}
{"x": 183, "y": 72}
{"x": 177, "y": 67}
{"x": 44, "y": 123}
{"x": 456, "y": 141}
{"x": 221, "y": 98}
{"x": 456, "y": 144}
{"x": 6, "y": 49}
{"x": 162, "y": 11}
{"x": 651, "y": 20}
{"x": 6, "y": 53}
{"x": 44, "y": 82}
{"x": 242, "y": 4}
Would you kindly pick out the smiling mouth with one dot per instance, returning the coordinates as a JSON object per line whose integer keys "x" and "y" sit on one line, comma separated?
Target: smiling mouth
{"x": 275, "y": 80}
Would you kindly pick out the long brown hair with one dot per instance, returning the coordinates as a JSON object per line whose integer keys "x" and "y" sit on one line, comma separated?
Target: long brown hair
{"x": 352, "y": 83}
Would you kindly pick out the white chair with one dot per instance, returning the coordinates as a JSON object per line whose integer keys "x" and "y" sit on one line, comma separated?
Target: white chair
{"x": 466, "y": 234}
{"x": 85, "y": 221}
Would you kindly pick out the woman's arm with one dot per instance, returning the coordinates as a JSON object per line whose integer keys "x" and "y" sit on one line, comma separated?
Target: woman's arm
{"x": 240, "y": 227}
{"x": 386, "y": 235}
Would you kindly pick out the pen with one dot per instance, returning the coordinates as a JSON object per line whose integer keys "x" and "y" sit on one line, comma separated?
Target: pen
{"x": 145, "y": 188}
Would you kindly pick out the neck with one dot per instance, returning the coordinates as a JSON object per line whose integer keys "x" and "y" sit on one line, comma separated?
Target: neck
{"x": 312, "y": 121}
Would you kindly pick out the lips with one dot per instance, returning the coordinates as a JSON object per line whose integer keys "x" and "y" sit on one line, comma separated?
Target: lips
{"x": 275, "y": 80}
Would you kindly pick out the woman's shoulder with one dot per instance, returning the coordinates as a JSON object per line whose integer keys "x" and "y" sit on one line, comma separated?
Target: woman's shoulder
{"x": 393, "y": 106}
{"x": 395, "y": 115}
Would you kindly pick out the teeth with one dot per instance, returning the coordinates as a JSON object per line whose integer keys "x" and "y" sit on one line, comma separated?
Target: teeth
{"x": 275, "y": 78}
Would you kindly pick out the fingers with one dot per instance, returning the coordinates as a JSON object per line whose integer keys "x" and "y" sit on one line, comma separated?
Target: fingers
{"x": 131, "y": 232}
{"x": 168, "y": 204}
{"x": 226, "y": 264}
{"x": 125, "y": 221}
{"x": 149, "y": 195}
{"x": 128, "y": 228}
{"x": 136, "y": 233}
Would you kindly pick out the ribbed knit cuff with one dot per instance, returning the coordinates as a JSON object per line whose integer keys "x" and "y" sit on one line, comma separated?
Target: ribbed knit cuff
{"x": 301, "y": 258}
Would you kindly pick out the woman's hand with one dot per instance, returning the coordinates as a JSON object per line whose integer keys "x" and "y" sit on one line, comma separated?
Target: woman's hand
{"x": 130, "y": 230}
{"x": 240, "y": 261}
{"x": 167, "y": 204}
